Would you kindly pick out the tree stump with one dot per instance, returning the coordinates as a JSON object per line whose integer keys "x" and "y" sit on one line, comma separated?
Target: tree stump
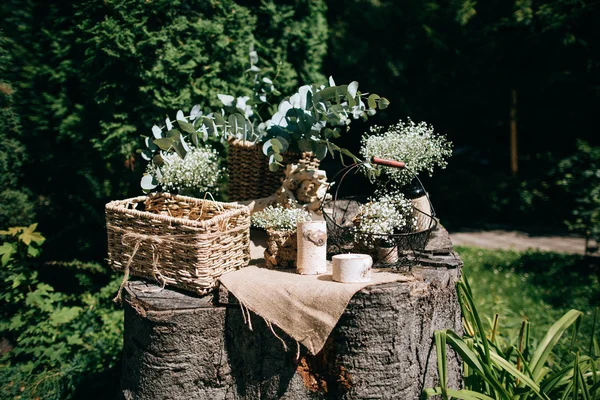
{"x": 179, "y": 346}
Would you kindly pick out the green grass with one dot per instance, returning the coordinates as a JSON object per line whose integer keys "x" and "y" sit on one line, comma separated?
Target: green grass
{"x": 538, "y": 286}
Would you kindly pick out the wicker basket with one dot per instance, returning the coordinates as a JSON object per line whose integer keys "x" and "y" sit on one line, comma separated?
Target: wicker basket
{"x": 249, "y": 174}
{"x": 282, "y": 248}
{"x": 178, "y": 241}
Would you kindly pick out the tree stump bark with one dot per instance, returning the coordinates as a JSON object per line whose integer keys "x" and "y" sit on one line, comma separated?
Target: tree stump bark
{"x": 178, "y": 346}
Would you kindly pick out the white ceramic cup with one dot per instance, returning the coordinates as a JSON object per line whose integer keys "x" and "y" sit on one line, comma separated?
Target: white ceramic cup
{"x": 351, "y": 268}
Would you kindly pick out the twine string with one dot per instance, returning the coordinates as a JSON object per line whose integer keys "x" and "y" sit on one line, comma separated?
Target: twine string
{"x": 243, "y": 313}
{"x": 270, "y": 325}
{"x": 118, "y": 298}
{"x": 156, "y": 272}
{"x": 139, "y": 238}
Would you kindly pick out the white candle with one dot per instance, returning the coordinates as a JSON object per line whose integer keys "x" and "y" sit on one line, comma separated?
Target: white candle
{"x": 351, "y": 268}
{"x": 312, "y": 248}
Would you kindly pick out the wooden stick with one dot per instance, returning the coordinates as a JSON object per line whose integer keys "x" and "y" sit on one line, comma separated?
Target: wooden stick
{"x": 387, "y": 163}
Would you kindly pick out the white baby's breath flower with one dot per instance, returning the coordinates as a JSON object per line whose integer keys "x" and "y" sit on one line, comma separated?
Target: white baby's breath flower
{"x": 279, "y": 218}
{"x": 198, "y": 172}
{"x": 415, "y": 144}
{"x": 387, "y": 215}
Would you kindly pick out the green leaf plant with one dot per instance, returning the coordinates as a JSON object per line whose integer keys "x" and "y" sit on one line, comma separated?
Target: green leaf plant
{"x": 56, "y": 338}
{"x": 493, "y": 369}
{"x": 308, "y": 120}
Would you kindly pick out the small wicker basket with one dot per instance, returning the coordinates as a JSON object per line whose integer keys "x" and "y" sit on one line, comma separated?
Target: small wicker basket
{"x": 249, "y": 174}
{"x": 178, "y": 241}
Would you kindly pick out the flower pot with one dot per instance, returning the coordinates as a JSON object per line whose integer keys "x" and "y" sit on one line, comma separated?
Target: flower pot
{"x": 387, "y": 255}
{"x": 249, "y": 174}
{"x": 281, "y": 249}
{"x": 417, "y": 195}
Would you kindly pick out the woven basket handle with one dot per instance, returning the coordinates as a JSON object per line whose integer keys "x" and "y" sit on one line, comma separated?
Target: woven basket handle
{"x": 387, "y": 162}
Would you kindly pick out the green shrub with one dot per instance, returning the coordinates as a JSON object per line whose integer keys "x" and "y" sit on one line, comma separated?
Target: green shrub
{"x": 94, "y": 76}
{"x": 495, "y": 367}
{"x": 58, "y": 338}
{"x": 16, "y": 207}
{"x": 579, "y": 176}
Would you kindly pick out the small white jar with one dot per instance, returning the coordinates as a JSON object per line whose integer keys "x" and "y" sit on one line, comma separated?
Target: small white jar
{"x": 312, "y": 248}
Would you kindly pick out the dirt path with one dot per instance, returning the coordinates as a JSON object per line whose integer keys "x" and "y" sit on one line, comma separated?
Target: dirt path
{"x": 500, "y": 239}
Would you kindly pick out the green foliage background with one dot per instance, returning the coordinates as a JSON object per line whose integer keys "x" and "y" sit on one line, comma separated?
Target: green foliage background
{"x": 58, "y": 319}
{"x": 90, "y": 77}
{"x": 80, "y": 83}
{"x": 454, "y": 64}
{"x": 16, "y": 207}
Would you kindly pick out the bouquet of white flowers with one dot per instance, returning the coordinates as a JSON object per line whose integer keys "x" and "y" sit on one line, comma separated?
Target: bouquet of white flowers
{"x": 198, "y": 172}
{"x": 414, "y": 144}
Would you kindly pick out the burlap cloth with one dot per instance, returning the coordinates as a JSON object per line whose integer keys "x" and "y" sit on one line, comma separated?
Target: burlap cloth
{"x": 306, "y": 307}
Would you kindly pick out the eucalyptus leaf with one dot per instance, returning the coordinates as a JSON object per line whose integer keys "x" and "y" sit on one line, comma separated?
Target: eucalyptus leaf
{"x": 150, "y": 145}
{"x": 148, "y": 183}
{"x": 352, "y": 89}
{"x": 226, "y": 99}
{"x": 253, "y": 57}
{"x": 309, "y": 100}
{"x": 186, "y": 126}
{"x": 319, "y": 149}
{"x": 195, "y": 112}
{"x": 211, "y": 127}
{"x": 179, "y": 149}
{"x": 266, "y": 148}
{"x": 248, "y": 129}
{"x": 240, "y": 124}
{"x": 330, "y": 149}
{"x": 158, "y": 160}
{"x": 186, "y": 147}
{"x": 164, "y": 143}
{"x": 284, "y": 143}
{"x": 383, "y": 103}
{"x": 174, "y": 134}
{"x": 220, "y": 121}
{"x": 146, "y": 155}
{"x": 329, "y": 93}
{"x": 351, "y": 101}
{"x": 304, "y": 145}
{"x": 372, "y": 100}
{"x": 157, "y": 132}
{"x": 276, "y": 144}
{"x": 303, "y": 127}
